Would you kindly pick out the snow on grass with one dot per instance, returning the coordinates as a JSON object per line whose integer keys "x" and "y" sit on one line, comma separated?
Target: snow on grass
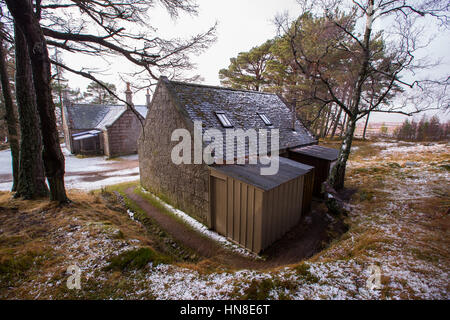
{"x": 384, "y": 144}
{"x": 84, "y": 244}
{"x": 175, "y": 283}
{"x": 336, "y": 280}
{"x": 392, "y": 228}
{"x": 340, "y": 279}
{"x": 415, "y": 148}
{"x": 201, "y": 228}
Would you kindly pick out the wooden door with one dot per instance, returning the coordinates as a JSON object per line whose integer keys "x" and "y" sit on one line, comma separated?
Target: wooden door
{"x": 219, "y": 204}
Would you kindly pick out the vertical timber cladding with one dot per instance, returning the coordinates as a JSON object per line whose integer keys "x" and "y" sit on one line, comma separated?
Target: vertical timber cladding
{"x": 255, "y": 210}
{"x": 282, "y": 210}
{"x": 236, "y": 210}
{"x": 308, "y": 191}
{"x": 321, "y": 158}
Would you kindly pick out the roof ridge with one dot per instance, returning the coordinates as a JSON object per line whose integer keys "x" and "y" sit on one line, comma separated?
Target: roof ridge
{"x": 95, "y": 104}
{"x": 218, "y": 87}
{"x": 102, "y": 105}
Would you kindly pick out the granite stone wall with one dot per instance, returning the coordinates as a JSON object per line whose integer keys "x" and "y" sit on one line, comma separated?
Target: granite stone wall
{"x": 185, "y": 186}
{"x": 122, "y": 135}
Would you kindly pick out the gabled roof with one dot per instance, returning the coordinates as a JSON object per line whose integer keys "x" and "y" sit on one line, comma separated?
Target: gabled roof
{"x": 201, "y": 102}
{"x": 94, "y": 116}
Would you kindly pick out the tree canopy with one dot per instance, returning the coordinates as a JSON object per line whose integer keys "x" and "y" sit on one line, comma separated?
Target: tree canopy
{"x": 248, "y": 69}
{"x": 98, "y": 94}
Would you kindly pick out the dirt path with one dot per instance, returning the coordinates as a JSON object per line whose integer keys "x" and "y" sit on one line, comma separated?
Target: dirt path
{"x": 303, "y": 241}
{"x": 188, "y": 237}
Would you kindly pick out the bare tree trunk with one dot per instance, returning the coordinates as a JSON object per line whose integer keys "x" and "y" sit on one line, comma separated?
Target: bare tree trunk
{"x": 315, "y": 126}
{"x": 327, "y": 125}
{"x": 11, "y": 119}
{"x": 322, "y": 123}
{"x": 336, "y": 123}
{"x": 337, "y": 175}
{"x": 365, "y": 126}
{"x": 22, "y": 11}
{"x": 31, "y": 170}
{"x": 343, "y": 125}
{"x": 333, "y": 116}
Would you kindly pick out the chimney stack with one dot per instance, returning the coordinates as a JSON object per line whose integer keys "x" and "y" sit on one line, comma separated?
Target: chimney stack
{"x": 147, "y": 97}
{"x": 129, "y": 95}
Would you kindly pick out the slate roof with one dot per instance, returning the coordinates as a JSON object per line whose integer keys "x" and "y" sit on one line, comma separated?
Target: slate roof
{"x": 200, "y": 102}
{"x": 94, "y": 116}
{"x": 142, "y": 110}
{"x": 250, "y": 173}
{"x": 320, "y": 152}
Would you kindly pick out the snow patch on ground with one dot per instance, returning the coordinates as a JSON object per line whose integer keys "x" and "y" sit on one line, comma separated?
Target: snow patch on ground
{"x": 87, "y": 173}
{"x": 84, "y": 246}
{"x": 415, "y": 148}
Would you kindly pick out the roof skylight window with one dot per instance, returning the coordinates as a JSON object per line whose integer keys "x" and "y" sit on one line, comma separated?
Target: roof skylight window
{"x": 226, "y": 123}
{"x": 265, "y": 119}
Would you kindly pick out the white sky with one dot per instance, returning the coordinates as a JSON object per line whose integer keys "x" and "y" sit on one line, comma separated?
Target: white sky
{"x": 243, "y": 24}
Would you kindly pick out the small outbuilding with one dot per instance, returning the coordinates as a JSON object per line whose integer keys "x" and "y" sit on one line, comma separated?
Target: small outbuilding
{"x": 94, "y": 129}
{"x": 321, "y": 158}
{"x": 255, "y": 210}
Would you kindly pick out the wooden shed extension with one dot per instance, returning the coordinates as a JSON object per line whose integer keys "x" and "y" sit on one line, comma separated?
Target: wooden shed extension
{"x": 87, "y": 142}
{"x": 255, "y": 210}
{"x": 321, "y": 158}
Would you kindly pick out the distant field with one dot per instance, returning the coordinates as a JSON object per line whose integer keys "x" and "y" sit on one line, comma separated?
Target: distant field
{"x": 374, "y": 129}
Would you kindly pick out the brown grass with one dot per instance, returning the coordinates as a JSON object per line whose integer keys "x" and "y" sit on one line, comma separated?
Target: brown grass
{"x": 32, "y": 243}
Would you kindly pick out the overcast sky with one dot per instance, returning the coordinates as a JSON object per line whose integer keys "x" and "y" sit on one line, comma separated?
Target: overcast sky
{"x": 242, "y": 24}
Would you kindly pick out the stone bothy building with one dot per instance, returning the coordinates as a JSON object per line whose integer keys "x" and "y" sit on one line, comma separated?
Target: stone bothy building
{"x": 111, "y": 130}
{"x": 236, "y": 200}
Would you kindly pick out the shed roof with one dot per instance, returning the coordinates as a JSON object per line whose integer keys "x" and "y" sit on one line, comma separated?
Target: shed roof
{"x": 95, "y": 116}
{"x": 242, "y": 108}
{"x": 250, "y": 173}
{"x": 316, "y": 151}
